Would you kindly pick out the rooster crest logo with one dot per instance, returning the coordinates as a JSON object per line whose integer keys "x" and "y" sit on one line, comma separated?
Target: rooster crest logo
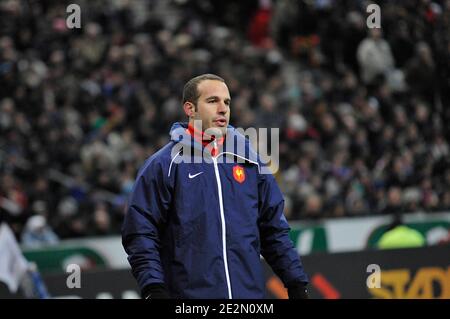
{"x": 239, "y": 173}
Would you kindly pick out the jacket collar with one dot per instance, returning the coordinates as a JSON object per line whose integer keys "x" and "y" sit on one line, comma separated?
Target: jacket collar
{"x": 234, "y": 143}
{"x": 205, "y": 139}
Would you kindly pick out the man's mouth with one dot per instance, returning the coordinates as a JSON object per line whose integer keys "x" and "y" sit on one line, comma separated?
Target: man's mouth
{"x": 221, "y": 122}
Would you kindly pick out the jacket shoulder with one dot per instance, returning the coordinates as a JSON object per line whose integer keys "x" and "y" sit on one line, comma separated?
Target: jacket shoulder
{"x": 159, "y": 160}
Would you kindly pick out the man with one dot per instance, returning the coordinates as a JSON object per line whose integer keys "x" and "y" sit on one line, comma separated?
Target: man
{"x": 198, "y": 221}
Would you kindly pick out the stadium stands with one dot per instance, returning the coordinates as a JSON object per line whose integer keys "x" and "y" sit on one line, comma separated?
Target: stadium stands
{"x": 363, "y": 114}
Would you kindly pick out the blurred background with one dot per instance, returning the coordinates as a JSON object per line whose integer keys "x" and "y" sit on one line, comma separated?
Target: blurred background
{"x": 363, "y": 115}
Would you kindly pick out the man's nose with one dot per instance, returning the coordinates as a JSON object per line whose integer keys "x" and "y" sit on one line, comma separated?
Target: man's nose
{"x": 222, "y": 108}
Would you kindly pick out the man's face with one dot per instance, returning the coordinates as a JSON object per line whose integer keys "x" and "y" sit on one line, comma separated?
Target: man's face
{"x": 213, "y": 106}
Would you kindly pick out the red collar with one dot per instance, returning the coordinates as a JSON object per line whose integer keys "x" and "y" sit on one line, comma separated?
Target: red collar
{"x": 205, "y": 139}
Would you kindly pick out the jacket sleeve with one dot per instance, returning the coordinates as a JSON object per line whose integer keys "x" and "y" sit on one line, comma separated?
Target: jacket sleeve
{"x": 146, "y": 213}
{"x": 276, "y": 246}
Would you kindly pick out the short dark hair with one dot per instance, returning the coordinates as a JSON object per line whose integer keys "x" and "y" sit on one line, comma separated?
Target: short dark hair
{"x": 190, "y": 90}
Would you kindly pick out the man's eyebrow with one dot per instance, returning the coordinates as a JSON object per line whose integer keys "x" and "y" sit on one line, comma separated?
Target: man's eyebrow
{"x": 215, "y": 97}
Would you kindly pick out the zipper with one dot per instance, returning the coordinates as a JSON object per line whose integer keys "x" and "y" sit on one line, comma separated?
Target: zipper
{"x": 224, "y": 233}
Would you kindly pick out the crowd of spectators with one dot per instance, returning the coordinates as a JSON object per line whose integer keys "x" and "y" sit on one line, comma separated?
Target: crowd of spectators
{"x": 363, "y": 113}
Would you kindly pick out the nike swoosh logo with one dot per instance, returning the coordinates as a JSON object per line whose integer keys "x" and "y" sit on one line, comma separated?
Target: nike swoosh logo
{"x": 195, "y": 175}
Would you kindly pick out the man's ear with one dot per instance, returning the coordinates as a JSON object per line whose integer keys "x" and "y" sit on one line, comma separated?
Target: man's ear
{"x": 189, "y": 109}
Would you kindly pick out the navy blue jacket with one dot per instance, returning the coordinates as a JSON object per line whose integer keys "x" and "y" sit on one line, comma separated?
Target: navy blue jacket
{"x": 200, "y": 226}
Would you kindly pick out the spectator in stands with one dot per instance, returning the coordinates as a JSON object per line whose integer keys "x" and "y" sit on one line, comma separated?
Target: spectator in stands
{"x": 375, "y": 56}
{"x": 38, "y": 233}
{"x": 420, "y": 72}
